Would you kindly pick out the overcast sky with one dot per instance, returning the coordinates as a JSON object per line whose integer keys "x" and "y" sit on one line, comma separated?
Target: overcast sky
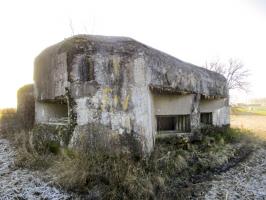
{"x": 191, "y": 30}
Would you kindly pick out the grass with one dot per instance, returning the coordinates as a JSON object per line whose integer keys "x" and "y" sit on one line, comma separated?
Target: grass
{"x": 254, "y": 123}
{"x": 121, "y": 177}
{"x": 252, "y": 110}
{"x": 7, "y": 112}
{"x": 108, "y": 175}
{"x": 115, "y": 176}
{"x": 27, "y": 156}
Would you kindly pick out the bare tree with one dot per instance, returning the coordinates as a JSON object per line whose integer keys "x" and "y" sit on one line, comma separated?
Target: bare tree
{"x": 71, "y": 26}
{"x": 234, "y": 71}
{"x": 85, "y": 30}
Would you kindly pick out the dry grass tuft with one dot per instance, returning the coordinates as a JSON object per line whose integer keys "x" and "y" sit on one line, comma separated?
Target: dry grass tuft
{"x": 27, "y": 156}
{"x": 116, "y": 175}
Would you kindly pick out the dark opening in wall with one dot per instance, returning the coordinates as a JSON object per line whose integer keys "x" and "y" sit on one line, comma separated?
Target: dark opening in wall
{"x": 87, "y": 70}
{"x": 52, "y": 112}
{"x": 206, "y": 118}
{"x": 59, "y": 113}
{"x": 166, "y": 123}
{"x": 177, "y": 123}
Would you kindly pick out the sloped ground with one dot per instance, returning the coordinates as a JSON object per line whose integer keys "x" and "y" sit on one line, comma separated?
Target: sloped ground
{"x": 22, "y": 184}
{"x": 246, "y": 181}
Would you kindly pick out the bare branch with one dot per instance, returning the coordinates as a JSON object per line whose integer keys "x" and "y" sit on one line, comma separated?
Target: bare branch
{"x": 234, "y": 71}
{"x": 71, "y": 27}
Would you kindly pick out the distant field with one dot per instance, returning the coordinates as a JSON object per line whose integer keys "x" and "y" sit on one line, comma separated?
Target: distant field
{"x": 255, "y": 123}
{"x": 251, "y": 110}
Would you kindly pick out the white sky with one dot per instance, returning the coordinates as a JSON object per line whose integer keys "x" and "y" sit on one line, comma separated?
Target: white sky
{"x": 191, "y": 30}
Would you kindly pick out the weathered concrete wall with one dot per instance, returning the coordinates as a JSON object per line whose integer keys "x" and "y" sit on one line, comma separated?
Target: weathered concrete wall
{"x": 25, "y": 106}
{"x": 212, "y": 104}
{"x": 120, "y": 101}
{"x": 51, "y": 77}
{"x": 221, "y": 116}
{"x": 219, "y": 108}
{"x": 173, "y": 104}
{"x": 170, "y": 74}
{"x": 195, "y": 114}
{"x": 141, "y": 103}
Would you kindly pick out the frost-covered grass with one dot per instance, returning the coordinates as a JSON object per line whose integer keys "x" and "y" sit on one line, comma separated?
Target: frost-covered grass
{"x": 17, "y": 183}
{"x": 108, "y": 175}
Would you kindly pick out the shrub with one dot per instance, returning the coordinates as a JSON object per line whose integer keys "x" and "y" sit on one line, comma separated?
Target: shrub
{"x": 115, "y": 176}
{"x": 27, "y": 156}
{"x": 46, "y": 138}
{"x": 227, "y": 134}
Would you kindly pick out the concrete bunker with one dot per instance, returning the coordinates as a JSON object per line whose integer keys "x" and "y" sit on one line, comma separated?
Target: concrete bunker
{"x": 126, "y": 89}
